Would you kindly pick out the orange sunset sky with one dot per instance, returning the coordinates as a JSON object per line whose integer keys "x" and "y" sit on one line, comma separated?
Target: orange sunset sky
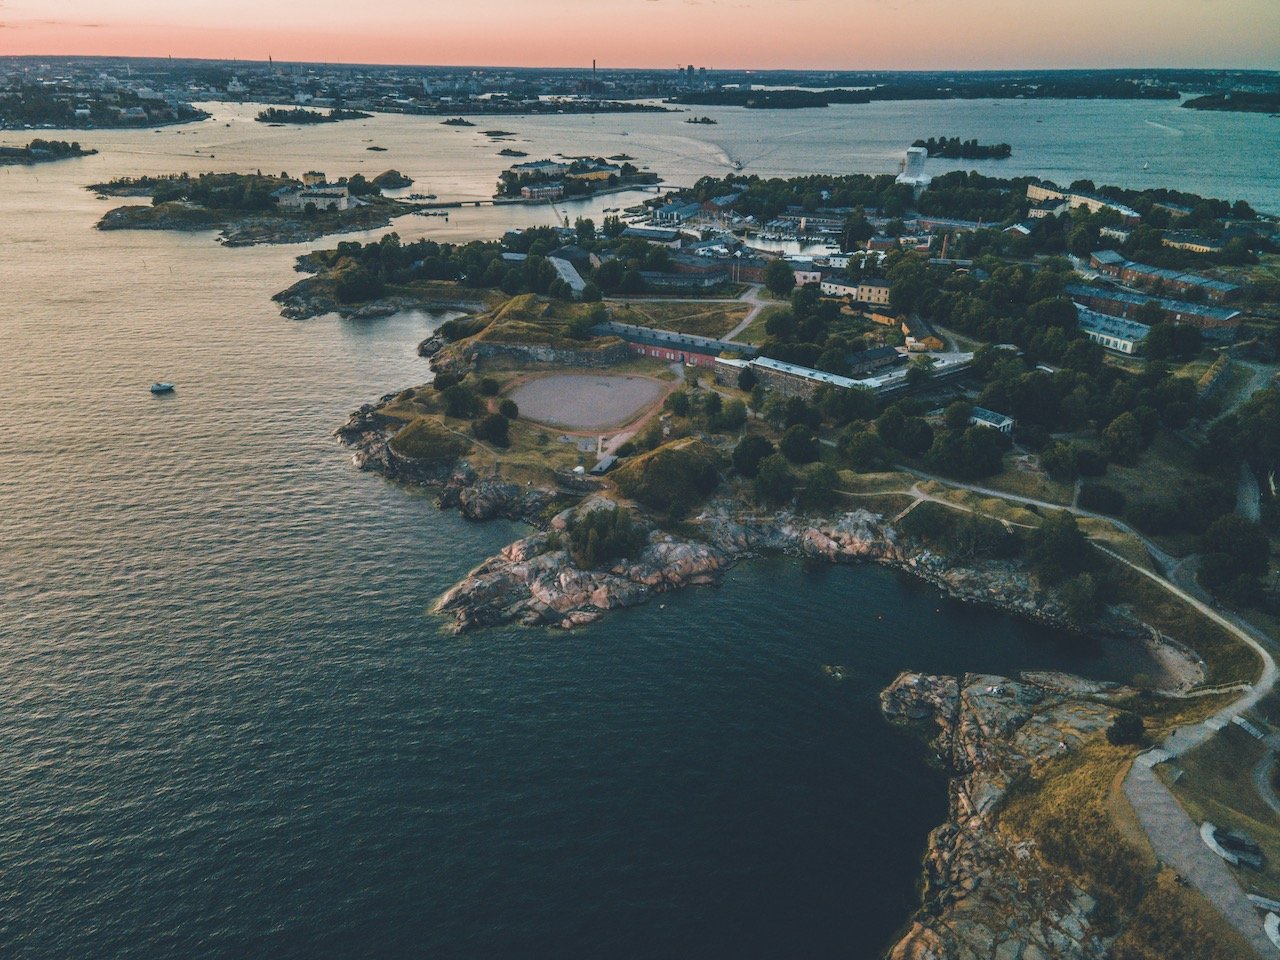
{"x": 835, "y": 34}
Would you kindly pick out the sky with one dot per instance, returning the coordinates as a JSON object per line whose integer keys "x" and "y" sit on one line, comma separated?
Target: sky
{"x": 726, "y": 34}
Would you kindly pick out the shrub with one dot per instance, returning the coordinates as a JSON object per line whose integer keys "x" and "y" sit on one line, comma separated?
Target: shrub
{"x": 821, "y": 487}
{"x": 1126, "y": 728}
{"x": 749, "y": 452}
{"x": 775, "y": 483}
{"x": 443, "y": 381}
{"x": 1102, "y": 498}
{"x": 799, "y": 445}
{"x": 488, "y": 387}
{"x": 459, "y": 402}
{"x": 492, "y": 429}
{"x": 509, "y": 409}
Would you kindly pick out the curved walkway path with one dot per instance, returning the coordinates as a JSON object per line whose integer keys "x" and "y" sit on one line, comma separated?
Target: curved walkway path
{"x": 1174, "y": 836}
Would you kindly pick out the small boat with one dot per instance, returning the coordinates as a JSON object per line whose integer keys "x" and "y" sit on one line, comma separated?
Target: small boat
{"x": 160, "y": 387}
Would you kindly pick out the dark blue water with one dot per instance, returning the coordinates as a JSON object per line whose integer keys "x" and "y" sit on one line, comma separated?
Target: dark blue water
{"x": 229, "y": 728}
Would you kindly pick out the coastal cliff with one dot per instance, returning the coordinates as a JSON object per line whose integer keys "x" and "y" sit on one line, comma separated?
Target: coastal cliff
{"x": 986, "y": 892}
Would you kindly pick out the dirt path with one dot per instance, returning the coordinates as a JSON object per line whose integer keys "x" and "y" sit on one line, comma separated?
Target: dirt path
{"x": 751, "y": 296}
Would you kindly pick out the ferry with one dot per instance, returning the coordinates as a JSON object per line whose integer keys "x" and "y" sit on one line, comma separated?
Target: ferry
{"x": 161, "y": 387}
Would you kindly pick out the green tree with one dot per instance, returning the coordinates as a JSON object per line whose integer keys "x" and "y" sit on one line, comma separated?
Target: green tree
{"x": 509, "y": 409}
{"x": 779, "y": 278}
{"x": 821, "y": 488}
{"x": 749, "y": 452}
{"x": 492, "y": 428}
{"x": 459, "y": 402}
{"x": 863, "y": 450}
{"x": 747, "y": 379}
{"x": 956, "y": 416}
{"x": 1122, "y": 439}
{"x": 775, "y": 483}
{"x": 1058, "y": 548}
{"x": 799, "y": 444}
{"x": 677, "y": 403}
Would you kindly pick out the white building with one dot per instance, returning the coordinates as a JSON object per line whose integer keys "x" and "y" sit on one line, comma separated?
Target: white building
{"x": 1113, "y": 333}
{"x": 913, "y": 168}
{"x": 982, "y": 417}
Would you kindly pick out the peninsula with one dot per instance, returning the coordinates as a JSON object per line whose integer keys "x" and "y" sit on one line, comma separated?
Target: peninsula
{"x": 972, "y": 419}
{"x": 255, "y": 208}
{"x": 42, "y": 151}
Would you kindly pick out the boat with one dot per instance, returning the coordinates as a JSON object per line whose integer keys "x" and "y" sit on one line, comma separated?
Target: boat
{"x": 160, "y": 387}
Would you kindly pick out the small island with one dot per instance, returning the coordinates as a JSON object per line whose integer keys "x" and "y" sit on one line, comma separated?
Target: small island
{"x": 510, "y": 152}
{"x": 953, "y": 148}
{"x": 255, "y": 208}
{"x": 705, "y": 120}
{"x": 457, "y": 122}
{"x": 498, "y": 134}
{"x": 1237, "y": 101}
{"x": 42, "y": 151}
{"x": 306, "y": 117}
{"x": 569, "y": 177}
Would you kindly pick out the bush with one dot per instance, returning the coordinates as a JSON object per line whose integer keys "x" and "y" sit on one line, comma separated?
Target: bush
{"x": 488, "y": 387}
{"x": 747, "y": 379}
{"x": 775, "y": 483}
{"x": 799, "y": 445}
{"x": 863, "y": 449}
{"x": 1126, "y": 728}
{"x": 1058, "y": 548}
{"x": 509, "y": 409}
{"x": 821, "y": 488}
{"x": 443, "y": 381}
{"x": 749, "y": 452}
{"x": 599, "y": 536}
{"x": 1102, "y": 498}
{"x": 492, "y": 429}
{"x": 459, "y": 402}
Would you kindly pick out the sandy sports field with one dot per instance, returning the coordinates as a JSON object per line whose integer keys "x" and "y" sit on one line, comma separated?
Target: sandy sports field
{"x": 586, "y": 401}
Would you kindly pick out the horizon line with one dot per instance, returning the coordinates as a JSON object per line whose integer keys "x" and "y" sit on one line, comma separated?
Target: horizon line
{"x": 271, "y": 61}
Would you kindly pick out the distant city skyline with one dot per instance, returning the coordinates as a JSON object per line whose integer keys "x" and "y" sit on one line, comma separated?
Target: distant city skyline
{"x": 724, "y": 34}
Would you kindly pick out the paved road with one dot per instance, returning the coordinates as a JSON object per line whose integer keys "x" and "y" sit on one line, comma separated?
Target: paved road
{"x": 1176, "y": 840}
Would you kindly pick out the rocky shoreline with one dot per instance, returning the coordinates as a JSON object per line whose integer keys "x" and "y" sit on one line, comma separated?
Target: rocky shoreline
{"x": 986, "y": 894}
{"x": 534, "y": 581}
{"x": 307, "y": 299}
{"x": 250, "y": 229}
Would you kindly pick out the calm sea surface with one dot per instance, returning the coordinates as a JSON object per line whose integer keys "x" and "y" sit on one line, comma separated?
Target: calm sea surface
{"x": 229, "y": 728}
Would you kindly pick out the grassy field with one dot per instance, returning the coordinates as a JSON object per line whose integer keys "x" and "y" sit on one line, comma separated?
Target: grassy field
{"x": 699, "y": 319}
{"x": 1022, "y": 481}
{"x": 1216, "y": 784}
{"x": 755, "y": 333}
{"x": 1163, "y": 467}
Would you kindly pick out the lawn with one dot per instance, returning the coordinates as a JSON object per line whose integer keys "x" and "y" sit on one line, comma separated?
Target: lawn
{"x": 698, "y": 319}
{"x": 1216, "y": 784}
{"x": 755, "y": 333}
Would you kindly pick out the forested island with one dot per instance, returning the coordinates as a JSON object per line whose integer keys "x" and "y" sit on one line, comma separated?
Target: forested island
{"x": 1237, "y": 101}
{"x": 42, "y": 151}
{"x": 576, "y": 177}
{"x": 953, "y": 148}
{"x": 254, "y": 208}
{"x": 304, "y": 117}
